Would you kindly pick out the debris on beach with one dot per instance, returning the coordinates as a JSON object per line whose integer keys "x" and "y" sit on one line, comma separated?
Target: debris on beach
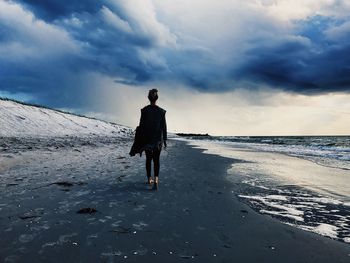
{"x": 119, "y": 178}
{"x": 28, "y": 216}
{"x": 64, "y": 184}
{"x": 121, "y": 230}
{"x": 11, "y": 184}
{"x": 87, "y": 210}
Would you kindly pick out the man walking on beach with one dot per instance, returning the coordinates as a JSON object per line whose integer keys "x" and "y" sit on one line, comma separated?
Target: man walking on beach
{"x": 150, "y": 136}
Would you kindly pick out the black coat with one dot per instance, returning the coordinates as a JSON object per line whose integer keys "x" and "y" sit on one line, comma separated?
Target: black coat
{"x": 152, "y": 130}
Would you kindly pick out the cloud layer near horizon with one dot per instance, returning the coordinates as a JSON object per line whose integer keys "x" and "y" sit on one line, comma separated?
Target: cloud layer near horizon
{"x": 50, "y": 49}
{"x": 237, "y": 112}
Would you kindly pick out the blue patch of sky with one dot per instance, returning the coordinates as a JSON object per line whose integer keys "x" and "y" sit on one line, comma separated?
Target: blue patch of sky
{"x": 17, "y": 96}
{"x": 314, "y": 28}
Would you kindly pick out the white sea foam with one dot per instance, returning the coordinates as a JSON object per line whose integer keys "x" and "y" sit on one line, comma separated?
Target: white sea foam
{"x": 285, "y": 210}
{"x": 289, "y": 211}
{"x": 324, "y": 200}
{"x": 277, "y": 197}
{"x": 323, "y": 229}
{"x": 297, "y": 218}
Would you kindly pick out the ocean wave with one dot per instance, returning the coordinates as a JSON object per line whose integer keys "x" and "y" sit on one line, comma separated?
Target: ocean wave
{"x": 322, "y": 151}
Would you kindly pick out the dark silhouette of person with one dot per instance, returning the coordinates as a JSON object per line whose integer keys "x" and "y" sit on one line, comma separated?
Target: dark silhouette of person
{"x": 151, "y": 135}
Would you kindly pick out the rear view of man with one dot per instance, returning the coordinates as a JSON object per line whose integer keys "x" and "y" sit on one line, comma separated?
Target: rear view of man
{"x": 152, "y": 133}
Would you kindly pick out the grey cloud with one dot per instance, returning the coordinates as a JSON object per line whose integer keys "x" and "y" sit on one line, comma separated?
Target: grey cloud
{"x": 318, "y": 65}
{"x": 112, "y": 38}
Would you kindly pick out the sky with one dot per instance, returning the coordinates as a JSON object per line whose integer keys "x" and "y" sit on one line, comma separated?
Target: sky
{"x": 228, "y": 67}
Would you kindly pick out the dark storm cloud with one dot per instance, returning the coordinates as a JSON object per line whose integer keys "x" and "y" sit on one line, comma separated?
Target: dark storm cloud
{"x": 55, "y": 9}
{"x": 51, "y": 59}
{"x": 309, "y": 62}
{"x": 93, "y": 44}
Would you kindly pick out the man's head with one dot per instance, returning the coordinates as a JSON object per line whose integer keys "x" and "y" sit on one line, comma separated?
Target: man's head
{"x": 153, "y": 95}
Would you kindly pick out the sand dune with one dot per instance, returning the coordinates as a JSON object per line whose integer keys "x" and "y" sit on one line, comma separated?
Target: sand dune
{"x": 20, "y": 120}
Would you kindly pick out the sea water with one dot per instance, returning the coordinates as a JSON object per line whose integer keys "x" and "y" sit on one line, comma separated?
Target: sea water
{"x": 301, "y": 180}
{"x": 333, "y": 151}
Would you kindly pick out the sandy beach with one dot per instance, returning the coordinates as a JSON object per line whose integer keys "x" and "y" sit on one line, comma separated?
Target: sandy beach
{"x": 90, "y": 203}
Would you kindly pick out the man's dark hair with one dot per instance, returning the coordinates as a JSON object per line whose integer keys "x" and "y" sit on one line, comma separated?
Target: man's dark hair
{"x": 153, "y": 95}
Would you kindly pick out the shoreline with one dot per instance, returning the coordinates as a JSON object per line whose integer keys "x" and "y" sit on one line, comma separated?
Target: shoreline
{"x": 193, "y": 216}
{"x": 293, "y": 190}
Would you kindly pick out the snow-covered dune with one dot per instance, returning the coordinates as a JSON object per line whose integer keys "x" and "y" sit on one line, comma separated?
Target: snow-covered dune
{"x": 20, "y": 120}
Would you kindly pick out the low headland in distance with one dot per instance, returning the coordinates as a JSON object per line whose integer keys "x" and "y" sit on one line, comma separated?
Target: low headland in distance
{"x": 195, "y": 135}
{"x": 68, "y": 187}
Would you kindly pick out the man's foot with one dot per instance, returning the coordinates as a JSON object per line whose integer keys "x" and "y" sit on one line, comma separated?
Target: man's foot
{"x": 150, "y": 181}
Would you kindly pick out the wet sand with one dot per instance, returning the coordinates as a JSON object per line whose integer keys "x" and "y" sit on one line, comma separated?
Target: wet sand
{"x": 195, "y": 215}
